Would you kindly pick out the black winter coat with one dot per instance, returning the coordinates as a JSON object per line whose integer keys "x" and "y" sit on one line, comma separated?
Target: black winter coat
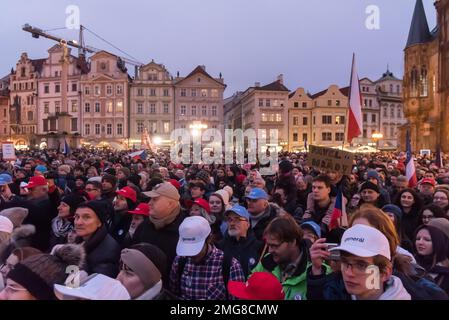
{"x": 246, "y": 250}
{"x": 165, "y": 239}
{"x": 102, "y": 253}
{"x": 263, "y": 223}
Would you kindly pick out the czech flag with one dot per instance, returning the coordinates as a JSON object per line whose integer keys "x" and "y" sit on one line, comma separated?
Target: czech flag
{"x": 142, "y": 155}
{"x": 410, "y": 171}
{"x": 338, "y": 217}
{"x": 355, "y": 105}
{"x": 66, "y": 149}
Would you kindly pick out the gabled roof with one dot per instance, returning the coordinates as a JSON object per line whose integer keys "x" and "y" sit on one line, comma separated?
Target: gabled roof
{"x": 291, "y": 94}
{"x": 318, "y": 94}
{"x": 274, "y": 86}
{"x": 419, "y": 28}
{"x": 200, "y": 70}
{"x": 345, "y": 91}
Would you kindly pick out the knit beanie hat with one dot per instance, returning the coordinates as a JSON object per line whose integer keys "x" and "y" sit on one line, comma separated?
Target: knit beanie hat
{"x": 99, "y": 208}
{"x": 39, "y": 273}
{"x": 204, "y": 176}
{"x": 391, "y": 208}
{"x": 16, "y": 215}
{"x": 73, "y": 200}
{"x": 223, "y": 195}
{"x": 370, "y": 186}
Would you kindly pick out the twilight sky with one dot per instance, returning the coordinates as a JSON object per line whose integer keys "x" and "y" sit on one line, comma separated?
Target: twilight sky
{"x": 309, "y": 41}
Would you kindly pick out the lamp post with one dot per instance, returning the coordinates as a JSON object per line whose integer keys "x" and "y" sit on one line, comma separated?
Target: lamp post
{"x": 376, "y": 137}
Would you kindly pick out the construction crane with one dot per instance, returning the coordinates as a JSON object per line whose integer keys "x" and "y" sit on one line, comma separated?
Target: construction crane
{"x": 82, "y": 48}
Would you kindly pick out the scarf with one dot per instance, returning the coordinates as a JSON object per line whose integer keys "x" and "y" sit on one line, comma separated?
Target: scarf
{"x": 162, "y": 222}
{"x": 61, "y": 227}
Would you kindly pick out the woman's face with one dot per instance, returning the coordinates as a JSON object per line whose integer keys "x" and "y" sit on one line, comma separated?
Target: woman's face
{"x": 131, "y": 282}
{"x": 427, "y": 215}
{"x": 407, "y": 200}
{"x": 300, "y": 183}
{"x": 86, "y": 222}
{"x": 63, "y": 210}
{"x": 355, "y": 200}
{"x": 440, "y": 199}
{"x": 215, "y": 204}
{"x": 14, "y": 291}
{"x": 423, "y": 243}
{"x": 220, "y": 173}
{"x": 195, "y": 210}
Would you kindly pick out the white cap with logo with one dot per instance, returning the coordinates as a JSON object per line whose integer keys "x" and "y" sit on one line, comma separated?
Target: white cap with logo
{"x": 193, "y": 233}
{"x": 364, "y": 241}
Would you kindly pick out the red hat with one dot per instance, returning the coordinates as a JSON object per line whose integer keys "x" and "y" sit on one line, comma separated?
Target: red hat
{"x": 175, "y": 183}
{"x": 260, "y": 286}
{"x": 128, "y": 193}
{"x": 142, "y": 209}
{"x": 429, "y": 181}
{"x": 36, "y": 181}
{"x": 201, "y": 202}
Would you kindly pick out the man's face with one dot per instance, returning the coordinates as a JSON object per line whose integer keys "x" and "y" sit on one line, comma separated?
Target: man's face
{"x": 429, "y": 175}
{"x": 256, "y": 206}
{"x": 426, "y": 189}
{"x": 319, "y": 191}
{"x": 393, "y": 180}
{"x": 106, "y": 185}
{"x": 369, "y": 196}
{"x": 179, "y": 174}
{"x": 280, "y": 251}
{"x": 237, "y": 226}
{"x": 401, "y": 185}
{"x": 159, "y": 207}
{"x": 357, "y": 272}
{"x": 27, "y": 167}
{"x": 136, "y": 221}
{"x": 196, "y": 192}
{"x": 92, "y": 191}
{"x": 38, "y": 192}
{"x": 120, "y": 203}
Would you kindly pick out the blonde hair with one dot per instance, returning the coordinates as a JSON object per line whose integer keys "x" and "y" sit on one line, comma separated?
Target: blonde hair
{"x": 379, "y": 220}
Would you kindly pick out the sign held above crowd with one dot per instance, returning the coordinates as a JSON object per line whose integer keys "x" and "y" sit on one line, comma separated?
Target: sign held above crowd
{"x": 330, "y": 159}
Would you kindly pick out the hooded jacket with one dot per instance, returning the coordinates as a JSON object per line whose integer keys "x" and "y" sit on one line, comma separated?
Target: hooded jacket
{"x": 295, "y": 287}
{"x": 332, "y": 287}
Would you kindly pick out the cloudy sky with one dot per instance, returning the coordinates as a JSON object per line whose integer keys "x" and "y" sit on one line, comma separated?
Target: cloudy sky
{"x": 309, "y": 41}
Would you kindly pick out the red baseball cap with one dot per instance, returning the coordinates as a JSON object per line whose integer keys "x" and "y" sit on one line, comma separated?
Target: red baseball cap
{"x": 201, "y": 202}
{"x": 142, "y": 209}
{"x": 429, "y": 181}
{"x": 128, "y": 193}
{"x": 260, "y": 286}
{"x": 175, "y": 183}
{"x": 36, "y": 181}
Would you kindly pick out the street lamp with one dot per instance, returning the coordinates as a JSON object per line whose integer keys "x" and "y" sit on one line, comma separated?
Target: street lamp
{"x": 376, "y": 137}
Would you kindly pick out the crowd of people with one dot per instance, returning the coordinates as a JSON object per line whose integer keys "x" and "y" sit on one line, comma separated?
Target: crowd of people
{"x": 101, "y": 225}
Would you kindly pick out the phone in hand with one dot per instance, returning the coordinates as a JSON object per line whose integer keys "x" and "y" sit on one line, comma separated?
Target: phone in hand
{"x": 335, "y": 255}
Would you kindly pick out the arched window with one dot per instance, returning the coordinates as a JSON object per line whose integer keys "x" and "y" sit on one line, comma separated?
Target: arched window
{"x": 414, "y": 82}
{"x": 423, "y": 82}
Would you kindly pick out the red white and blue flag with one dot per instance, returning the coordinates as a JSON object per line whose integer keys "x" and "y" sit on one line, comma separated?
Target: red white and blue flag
{"x": 339, "y": 217}
{"x": 355, "y": 123}
{"x": 410, "y": 170}
{"x": 141, "y": 154}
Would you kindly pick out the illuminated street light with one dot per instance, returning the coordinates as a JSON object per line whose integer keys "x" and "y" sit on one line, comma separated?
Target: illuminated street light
{"x": 376, "y": 136}
{"x": 157, "y": 140}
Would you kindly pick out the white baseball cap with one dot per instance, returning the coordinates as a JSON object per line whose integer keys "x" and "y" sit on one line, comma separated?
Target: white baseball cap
{"x": 6, "y": 225}
{"x": 364, "y": 241}
{"x": 96, "y": 287}
{"x": 193, "y": 232}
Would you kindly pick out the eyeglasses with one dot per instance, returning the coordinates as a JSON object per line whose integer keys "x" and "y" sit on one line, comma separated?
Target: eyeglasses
{"x": 234, "y": 219}
{"x": 358, "y": 267}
